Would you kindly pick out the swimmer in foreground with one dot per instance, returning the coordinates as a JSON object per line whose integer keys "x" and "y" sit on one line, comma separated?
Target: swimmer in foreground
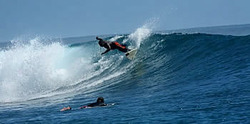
{"x": 111, "y": 46}
{"x": 99, "y": 102}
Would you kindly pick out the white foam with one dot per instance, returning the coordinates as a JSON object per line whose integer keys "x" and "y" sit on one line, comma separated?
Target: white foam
{"x": 142, "y": 33}
{"x": 115, "y": 38}
{"x": 28, "y": 70}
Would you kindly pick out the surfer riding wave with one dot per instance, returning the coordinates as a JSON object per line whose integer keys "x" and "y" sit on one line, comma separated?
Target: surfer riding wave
{"x": 111, "y": 46}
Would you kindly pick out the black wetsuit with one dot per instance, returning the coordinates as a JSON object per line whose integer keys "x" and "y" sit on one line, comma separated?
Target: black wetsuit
{"x": 112, "y": 45}
{"x": 116, "y": 45}
{"x": 96, "y": 104}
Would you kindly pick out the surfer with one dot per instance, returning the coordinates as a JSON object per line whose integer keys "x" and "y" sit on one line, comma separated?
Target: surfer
{"x": 111, "y": 46}
{"x": 99, "y": 102}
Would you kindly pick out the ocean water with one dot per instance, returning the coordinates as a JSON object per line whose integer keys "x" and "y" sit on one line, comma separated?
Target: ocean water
{"x": 175, "y": 78}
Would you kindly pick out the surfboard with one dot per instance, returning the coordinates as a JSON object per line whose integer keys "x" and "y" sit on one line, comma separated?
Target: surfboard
{"x": 131, "y": 54}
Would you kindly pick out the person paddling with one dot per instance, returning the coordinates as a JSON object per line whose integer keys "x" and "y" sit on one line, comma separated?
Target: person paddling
{"x": 99, "y": 103}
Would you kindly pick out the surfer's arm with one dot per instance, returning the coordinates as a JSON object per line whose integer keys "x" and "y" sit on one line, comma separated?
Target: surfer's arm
{"x": 108, "y": 47}
{"x": 66, "y": 108}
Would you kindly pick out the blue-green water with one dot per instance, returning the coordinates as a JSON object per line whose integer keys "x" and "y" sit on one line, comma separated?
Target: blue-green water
{"x": 175, "y": 78}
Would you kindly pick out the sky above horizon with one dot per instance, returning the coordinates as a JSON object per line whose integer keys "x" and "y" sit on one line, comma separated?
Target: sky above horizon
{"x": 70, "y": 18}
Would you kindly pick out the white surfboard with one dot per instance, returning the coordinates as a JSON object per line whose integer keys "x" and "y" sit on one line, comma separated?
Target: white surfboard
{"x": 131, "y": 54}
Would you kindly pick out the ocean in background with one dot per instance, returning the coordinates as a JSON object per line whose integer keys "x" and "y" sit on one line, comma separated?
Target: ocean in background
{"x": 190, "y": 76}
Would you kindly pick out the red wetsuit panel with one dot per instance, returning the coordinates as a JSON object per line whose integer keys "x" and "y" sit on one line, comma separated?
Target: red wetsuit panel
{"x": 119, "y": 45}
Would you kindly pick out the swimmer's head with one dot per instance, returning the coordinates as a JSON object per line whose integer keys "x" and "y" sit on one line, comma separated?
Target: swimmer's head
{"x": 100, "y": 100}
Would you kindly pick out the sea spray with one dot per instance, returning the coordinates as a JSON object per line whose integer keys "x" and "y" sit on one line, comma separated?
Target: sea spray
{"x": 29, "y": 69}
{"x": 143, "y": 32}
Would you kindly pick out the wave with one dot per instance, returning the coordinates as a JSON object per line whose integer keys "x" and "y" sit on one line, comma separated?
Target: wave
{"x": 39, "y": 68}
{"x": 43, "y": 69}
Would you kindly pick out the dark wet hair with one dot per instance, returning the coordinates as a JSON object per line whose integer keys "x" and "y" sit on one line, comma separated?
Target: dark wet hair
{"x": 100, "y": 100}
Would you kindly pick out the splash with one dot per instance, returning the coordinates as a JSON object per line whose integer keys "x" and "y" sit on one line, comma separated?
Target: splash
{"x": 27, "y": 70}
{"x": 143, "y": 32}
{"x": 116, "y": 37}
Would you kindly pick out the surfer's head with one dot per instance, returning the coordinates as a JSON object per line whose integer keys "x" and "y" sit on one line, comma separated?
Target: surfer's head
{"x": 100, "y": 100}
{"x": 101, "y": 42}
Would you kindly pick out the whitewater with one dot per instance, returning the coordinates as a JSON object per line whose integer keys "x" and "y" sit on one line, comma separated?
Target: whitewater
{"x": 175, "y": 78}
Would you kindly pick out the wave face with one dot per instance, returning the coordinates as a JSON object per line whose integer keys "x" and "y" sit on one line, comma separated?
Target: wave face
{"x": 174, "y": 78}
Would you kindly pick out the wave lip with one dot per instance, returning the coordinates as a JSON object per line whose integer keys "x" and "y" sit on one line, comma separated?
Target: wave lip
{"x": 235, "y": 30}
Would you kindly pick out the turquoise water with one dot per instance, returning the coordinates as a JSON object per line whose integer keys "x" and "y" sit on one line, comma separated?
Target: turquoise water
{"x": 175, "y": 78}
